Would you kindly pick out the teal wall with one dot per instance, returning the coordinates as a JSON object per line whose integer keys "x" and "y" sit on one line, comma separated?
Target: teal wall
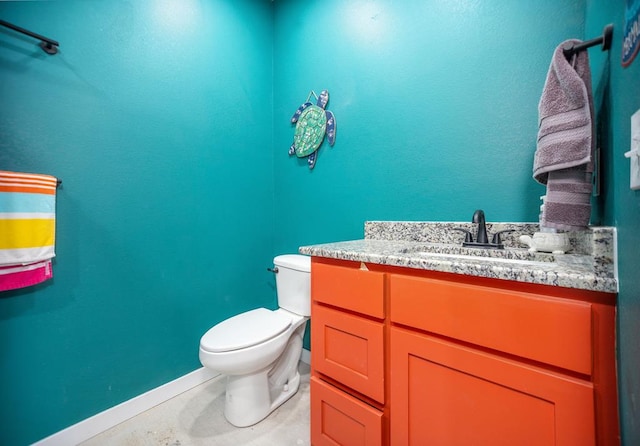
{"x": 622, "y": 208}
{"x": 170, "y": 132}
{"x": 436, "y": 109}
{"x": 157, "y": 118}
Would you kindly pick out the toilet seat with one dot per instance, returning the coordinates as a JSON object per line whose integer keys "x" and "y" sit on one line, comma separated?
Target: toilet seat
{"x": 245, "y": 330}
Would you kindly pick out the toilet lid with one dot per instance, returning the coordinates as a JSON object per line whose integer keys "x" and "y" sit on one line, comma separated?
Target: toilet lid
{"x": 244, "y": 330}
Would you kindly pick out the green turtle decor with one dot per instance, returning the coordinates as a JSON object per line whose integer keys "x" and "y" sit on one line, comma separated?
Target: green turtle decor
{"x": 312, "y": 123}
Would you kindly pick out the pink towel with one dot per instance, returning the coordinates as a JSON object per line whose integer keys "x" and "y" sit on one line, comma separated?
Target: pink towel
{"x": 14, "y": 277}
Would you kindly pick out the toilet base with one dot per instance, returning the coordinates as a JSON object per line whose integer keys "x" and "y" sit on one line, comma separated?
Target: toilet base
{"x": 248, "y": 398}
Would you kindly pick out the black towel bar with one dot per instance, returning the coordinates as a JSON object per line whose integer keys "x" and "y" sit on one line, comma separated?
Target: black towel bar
{"x": 49, "y": 46}
{"x": 605, "y": 40}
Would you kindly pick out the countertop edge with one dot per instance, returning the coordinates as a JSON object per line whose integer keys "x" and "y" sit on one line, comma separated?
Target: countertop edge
{"x": 386, "y": 252}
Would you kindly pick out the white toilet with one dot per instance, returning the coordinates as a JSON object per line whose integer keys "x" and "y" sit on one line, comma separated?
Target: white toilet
{"x": 259, "y": 350}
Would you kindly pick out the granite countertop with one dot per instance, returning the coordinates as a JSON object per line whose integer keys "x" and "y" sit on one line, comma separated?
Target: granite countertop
{"x": 434, "y": 246}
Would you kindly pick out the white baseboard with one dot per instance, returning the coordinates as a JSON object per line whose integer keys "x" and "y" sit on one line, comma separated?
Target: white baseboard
{"x": 115, "y": 415}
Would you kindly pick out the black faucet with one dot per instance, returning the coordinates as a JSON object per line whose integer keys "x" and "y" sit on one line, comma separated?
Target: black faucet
{"x": 478, "y": 217}
{"x": 482, "y": 239}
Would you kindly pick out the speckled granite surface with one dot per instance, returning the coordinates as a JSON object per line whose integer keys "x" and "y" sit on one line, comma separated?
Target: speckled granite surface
{"x": 436, "y": 246}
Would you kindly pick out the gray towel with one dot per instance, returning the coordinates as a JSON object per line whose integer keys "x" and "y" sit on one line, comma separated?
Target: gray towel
{"x": 563, "y": 158}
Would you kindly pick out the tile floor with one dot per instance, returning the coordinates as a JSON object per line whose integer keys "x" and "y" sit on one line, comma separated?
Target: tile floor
{"x": 195, "y": 418}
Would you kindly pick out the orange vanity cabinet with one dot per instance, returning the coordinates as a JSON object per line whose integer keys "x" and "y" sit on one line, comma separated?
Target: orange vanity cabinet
{"x": 464, "y": 360}
{"x": 490, "y": 362}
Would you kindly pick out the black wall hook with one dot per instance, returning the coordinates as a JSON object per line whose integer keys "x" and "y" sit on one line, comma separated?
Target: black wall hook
{"x": 605, "y": 40}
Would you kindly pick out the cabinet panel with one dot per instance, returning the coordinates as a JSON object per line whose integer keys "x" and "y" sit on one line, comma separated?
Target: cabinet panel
{"x": 444, "y": 393}
{"x": 349, "y": 349}
{"x": 339, "y": 419}
{"x": 353, "y": 289}
{"x": 550, "y": 330}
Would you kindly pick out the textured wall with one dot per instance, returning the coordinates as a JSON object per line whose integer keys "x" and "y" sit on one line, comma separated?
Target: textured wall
{"x": 436, "y": 108}
{"x": 619, "y": 91}
{"x": 157, "y": 117}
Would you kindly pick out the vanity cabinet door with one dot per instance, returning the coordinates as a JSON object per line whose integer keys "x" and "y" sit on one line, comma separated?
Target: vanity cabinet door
{"x": 443, "y": 393}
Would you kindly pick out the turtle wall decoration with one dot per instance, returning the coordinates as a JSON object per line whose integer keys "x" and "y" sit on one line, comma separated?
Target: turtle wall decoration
{"x": 312, "y": 123}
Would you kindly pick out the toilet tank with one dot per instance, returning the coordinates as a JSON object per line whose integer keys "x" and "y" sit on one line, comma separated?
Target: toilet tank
{"x": 293, "y": 283}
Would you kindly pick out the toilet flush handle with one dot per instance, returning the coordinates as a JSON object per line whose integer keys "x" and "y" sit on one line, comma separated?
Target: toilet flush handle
{"x": 273, "y": 270}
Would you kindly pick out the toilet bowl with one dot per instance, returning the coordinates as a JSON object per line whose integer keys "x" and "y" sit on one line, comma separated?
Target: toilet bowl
{"x": 259, "y": 350}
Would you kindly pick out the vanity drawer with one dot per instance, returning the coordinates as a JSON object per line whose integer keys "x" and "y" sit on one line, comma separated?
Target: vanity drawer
{"x": 340, "y": 419}
{"x": 547, "y": 329}
{"x": 349, "y": 288}
{"x": 349, "y": 349}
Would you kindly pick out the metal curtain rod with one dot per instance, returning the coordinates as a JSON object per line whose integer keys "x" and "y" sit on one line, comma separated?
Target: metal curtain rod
{"x": 605, "y": 40}
{"x": 49, "y": 46}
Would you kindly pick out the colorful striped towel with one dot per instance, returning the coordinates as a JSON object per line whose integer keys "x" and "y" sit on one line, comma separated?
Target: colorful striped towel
{"x": 27, "y": 228}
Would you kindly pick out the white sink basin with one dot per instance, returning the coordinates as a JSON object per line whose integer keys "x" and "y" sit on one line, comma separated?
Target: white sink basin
{"x": 459, "y": 253}
{"x": 482, "y": 259}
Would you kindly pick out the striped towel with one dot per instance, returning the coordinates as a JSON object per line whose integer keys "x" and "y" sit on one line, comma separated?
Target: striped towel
{"x": 27, "y": 228}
